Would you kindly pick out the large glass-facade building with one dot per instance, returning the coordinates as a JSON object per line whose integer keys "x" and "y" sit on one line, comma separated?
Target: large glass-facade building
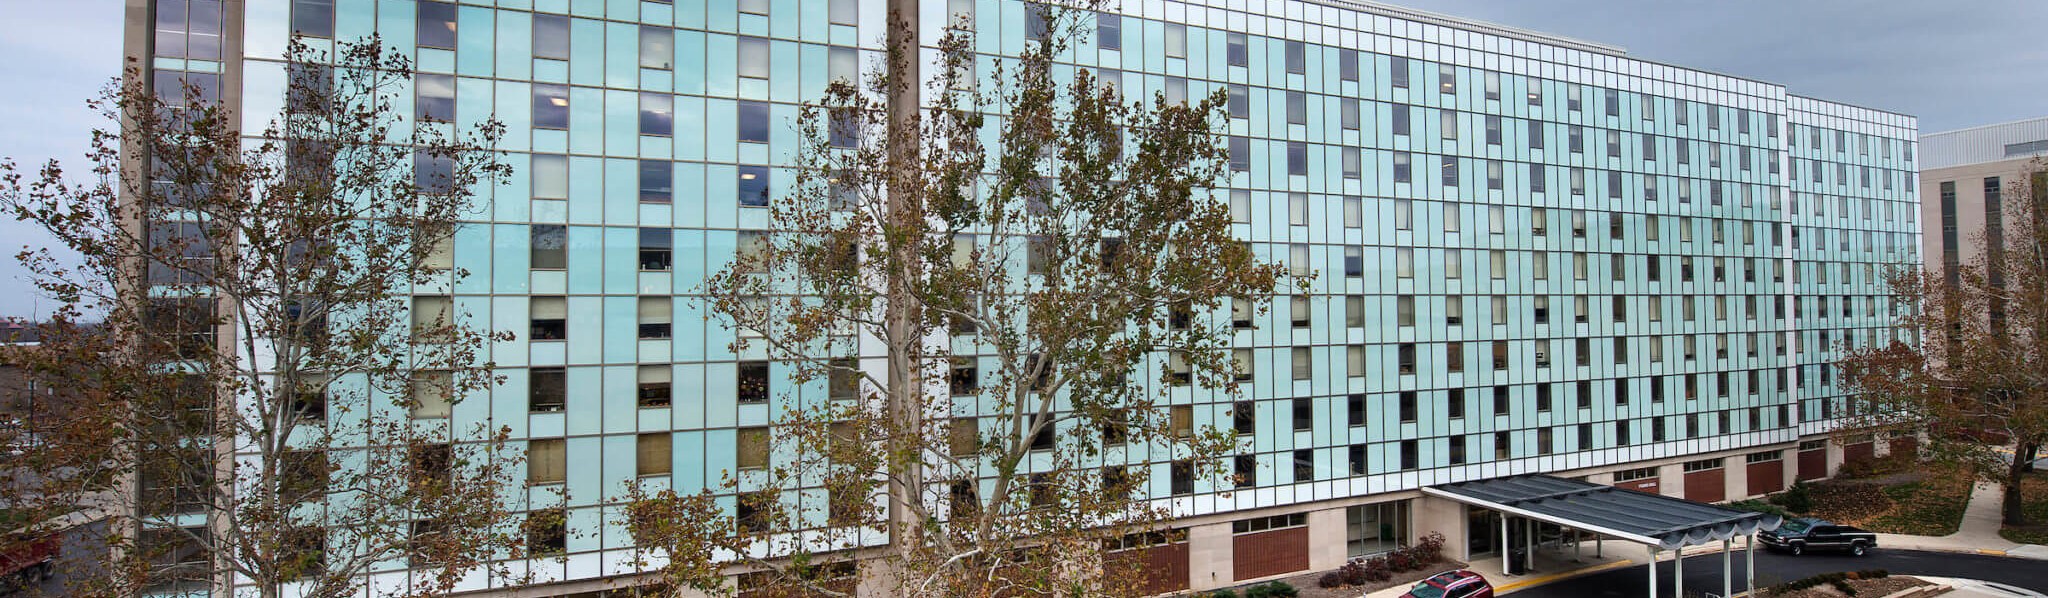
{"x": 1534, "y": 254}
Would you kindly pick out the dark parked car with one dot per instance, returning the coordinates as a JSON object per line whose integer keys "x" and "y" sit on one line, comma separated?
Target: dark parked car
{"x": 1453, "y": 584}
{"x": 1800, "y": 535}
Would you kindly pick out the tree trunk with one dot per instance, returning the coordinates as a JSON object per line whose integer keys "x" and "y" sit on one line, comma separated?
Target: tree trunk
{"x": 906, "y": 385}
{"x": 2015, "y": 512}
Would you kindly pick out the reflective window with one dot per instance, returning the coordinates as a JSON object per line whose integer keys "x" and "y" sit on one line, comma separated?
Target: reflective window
{"x": 313, "y": 18}
{"x": 436, "y": 25}
{"x": 550, "y": 106}
{"x": 657, "y": 114}
{"x": 551, "y": 37}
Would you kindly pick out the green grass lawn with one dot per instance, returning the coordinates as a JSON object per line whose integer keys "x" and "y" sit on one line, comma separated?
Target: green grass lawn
{"x": 2036, "y": 493}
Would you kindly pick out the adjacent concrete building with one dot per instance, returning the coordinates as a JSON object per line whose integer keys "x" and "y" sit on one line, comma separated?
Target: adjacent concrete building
{"x": 1964, "y": 177}
{"x": 1538, "y": 254}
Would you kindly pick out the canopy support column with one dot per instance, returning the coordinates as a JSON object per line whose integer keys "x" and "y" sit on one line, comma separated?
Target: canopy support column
{"x": 1507, "y": 556}
{"x": 1751, "y": 544}
{"x": 1653, "y": 571}
{"x": 1678, "y": 572}
{"x": 1528, "y": 545}
{"x": 1727, "y": 569}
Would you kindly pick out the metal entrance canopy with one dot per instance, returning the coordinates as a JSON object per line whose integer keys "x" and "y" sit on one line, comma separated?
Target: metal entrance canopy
{"x": 1658, "y": 522}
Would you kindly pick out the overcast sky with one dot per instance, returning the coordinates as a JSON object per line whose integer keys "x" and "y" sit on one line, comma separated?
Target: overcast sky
{"x": 1954, "y": 63}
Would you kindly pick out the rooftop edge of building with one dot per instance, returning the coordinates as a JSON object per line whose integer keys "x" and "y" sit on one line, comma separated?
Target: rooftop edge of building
{"x": 1475, "y": 25}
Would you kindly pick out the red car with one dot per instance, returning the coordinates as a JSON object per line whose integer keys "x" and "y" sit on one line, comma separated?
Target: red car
{"x": 1453, "y": 584}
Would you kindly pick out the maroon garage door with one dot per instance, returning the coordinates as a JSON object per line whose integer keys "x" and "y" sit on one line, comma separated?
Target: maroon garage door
{"x": 1269, "y": 553}
{"x": 1766, "y": 477}
{"x": 1162, "y": 569}
{"x": 1813, "y": 464}
{"x": 1708, "y": 485}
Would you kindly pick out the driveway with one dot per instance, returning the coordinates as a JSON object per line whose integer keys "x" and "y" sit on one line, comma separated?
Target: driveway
{"x": 1703, "y": 573}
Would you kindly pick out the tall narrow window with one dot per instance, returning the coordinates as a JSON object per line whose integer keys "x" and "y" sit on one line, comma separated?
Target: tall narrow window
{"x": 1398, "y": 71}
{"x": 436, "y": 25}
{"x": 657, "y": 249}
{"x": 550, "y": 247}
{"x": 546, "y": 390}
{"x": 753, "y": 186}
{"x": 434, "y": 97}
{"x": 1236, "y": 49}
{"x": 753, "y": 121}
{"x": 550, "y": 106}
{"x": 653, "y": 383}
{"x": 1109, "y": 31}
{"x": 657, "y": 47}
{"x": 657, "y": 181}
{"x": 549, "y": 319}
{"x": 652, "y": 454}
{"x": 313, "y": 18}
{"x": 657, "y": 114}
{"x": 550, "y": 36}
{"x": 656, "y": 317}
{"x": 753, "y": 58}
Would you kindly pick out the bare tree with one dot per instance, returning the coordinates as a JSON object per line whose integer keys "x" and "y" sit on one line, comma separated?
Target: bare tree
{"x": 1978, "y": 378}
{"x": 1033, "y": 303}
{"x": 266, "y": 402}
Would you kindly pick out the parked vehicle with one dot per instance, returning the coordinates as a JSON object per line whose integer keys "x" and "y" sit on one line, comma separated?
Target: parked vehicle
{"x": 1452, "y": 584}
{"x": 30, "y": 562}
{"x": 1797, "y": 536}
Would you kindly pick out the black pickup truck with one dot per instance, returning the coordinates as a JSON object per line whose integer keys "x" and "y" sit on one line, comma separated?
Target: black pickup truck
{"x": 1798, "y": 536}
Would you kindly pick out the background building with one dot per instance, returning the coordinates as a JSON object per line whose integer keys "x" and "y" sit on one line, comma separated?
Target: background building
{"x": 1536, "y": 254}
{"x": 1965, "y": 174}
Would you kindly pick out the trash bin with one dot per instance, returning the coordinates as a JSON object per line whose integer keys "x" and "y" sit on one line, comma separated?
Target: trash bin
{"x": 1518, "y": 561}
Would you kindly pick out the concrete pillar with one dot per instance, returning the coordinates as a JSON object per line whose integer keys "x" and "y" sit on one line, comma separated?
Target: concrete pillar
{"x": 1678, "y": 572}
{"x": 1506, "y": 556}
{"x": 1529, "y": 545}
{"x": 1653, "y": 571}
{"x": 1210, "y": 556}
{"x": 1750, "y": 546}
{"x": 1327, "y": 546}
{"x": 1735, "y": 477}
{"x": 1727, "y": 569}
{"x": 1671, "y": 480}
{"x": 1449, "y": 517}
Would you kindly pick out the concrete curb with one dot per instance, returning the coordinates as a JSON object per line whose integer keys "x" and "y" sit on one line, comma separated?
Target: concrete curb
{"x": 1559, "y": 576}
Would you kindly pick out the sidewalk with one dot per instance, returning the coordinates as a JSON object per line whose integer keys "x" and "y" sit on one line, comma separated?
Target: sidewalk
{"x": 1978, "y": 533}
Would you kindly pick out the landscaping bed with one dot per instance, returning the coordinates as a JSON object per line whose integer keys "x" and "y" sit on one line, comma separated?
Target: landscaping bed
{"x": 1866, "y": 584}
{"x": 1929, "y": 504}
{"x": 2035, "y": 491}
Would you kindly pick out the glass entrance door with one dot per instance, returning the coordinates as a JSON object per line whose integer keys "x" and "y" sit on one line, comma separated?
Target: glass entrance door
{"x": 1482, "y": 531}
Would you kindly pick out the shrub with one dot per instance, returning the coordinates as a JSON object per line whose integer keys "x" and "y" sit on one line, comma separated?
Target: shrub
{"x": 1332, "y": 579}
{"x": 1758, "y": 506}
{"x": 1222, "y": 594}
{"x": 1399, "y": 561}
{"x": 1377, "y": 569}
{"x": 1798, "y": 499}
{"x": 1271, "y": 589}
{"x": 1354, "y": 573}
{"x": 1430, "y": 549}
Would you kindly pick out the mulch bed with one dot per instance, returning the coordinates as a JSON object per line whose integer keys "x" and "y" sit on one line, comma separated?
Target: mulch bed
{"x": 1307, "y": 583}
{"x": 1865, "y": 588}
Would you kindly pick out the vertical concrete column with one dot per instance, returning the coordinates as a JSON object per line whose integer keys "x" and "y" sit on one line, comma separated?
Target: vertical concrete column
{"x": 1671, "y": 480}
{"x": 1735, "y": 477}
{"x": 1653, "y": 571}
{"x": 1210, "y": 556}
{"x": 1448, "y": 517}
{"x": 1327, "y": 544}
{"x": 1727, "y": 569}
